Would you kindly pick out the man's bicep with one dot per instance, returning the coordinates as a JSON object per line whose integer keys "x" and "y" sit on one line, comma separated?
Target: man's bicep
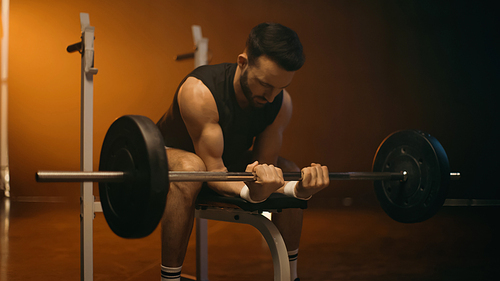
{"x": 210, "y": 146}
{"x": 199, "y": 112}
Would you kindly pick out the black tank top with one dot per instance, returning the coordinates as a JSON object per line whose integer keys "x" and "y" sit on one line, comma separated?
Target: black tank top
{"x": 239, "y": 126}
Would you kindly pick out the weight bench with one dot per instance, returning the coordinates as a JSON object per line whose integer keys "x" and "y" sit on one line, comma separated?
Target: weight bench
{"x": 210, "y": 205}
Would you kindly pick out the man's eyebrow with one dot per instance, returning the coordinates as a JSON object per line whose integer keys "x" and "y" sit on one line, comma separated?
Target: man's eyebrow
{"x": 269, "y": 85}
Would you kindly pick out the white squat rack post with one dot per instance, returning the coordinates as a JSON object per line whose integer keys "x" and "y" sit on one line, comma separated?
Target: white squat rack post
{"x": 4, "y": 144}
{"x": 201, "y": 45}
{"x": 201, "y": 58}
{"x": 86, "y": 148}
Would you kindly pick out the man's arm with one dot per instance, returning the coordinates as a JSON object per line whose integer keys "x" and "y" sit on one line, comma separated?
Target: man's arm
{"x": 199, "y": 112}
{"x": 268, "y": 144}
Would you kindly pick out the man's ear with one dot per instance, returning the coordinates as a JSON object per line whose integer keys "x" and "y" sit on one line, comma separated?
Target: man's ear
{"x": 242, "y": 60}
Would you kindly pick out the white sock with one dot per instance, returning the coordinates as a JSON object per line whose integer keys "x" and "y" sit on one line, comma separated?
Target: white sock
{"x": 170, "y": 273}
{"x": 292, "y": 257}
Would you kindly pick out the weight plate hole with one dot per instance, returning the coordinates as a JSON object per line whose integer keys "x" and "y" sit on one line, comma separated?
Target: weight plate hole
{"x": 420, "y": 161}
{"x": 403, "y": 150}
{"x": 387, "y": 165}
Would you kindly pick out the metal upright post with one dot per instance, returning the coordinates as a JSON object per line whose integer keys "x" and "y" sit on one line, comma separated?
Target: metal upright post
{"x": 201, "y": 58}
{"x": 86, "y": 148}
{"x": 201, "y": 43}
{"x": 4, "y": 143}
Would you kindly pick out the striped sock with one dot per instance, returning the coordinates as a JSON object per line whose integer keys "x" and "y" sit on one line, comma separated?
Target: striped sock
{"x": 292, "y": 257}
{"x": 171, "y": 273}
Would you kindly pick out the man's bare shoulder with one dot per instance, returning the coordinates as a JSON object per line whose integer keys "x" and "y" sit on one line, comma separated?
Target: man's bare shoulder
{"x": 196, "y": 100}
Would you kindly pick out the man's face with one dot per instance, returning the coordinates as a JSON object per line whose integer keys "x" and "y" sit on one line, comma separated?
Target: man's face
{"x": 262, "y": 82}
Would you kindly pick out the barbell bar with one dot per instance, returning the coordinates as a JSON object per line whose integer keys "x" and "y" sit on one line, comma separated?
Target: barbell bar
{"x": 181, "y": 176}
{"x": 410, "y": 173}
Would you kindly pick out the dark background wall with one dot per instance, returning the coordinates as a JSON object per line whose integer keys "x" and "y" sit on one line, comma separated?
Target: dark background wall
{"x": 373, "y": 67}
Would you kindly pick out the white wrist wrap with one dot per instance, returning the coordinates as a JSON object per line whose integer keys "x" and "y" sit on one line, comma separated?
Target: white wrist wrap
{"x": 289, "y": 190}
{"x": 245, "y": 194}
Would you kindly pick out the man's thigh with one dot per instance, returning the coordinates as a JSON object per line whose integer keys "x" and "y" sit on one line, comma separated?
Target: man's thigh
{"x": 181, "y": 160}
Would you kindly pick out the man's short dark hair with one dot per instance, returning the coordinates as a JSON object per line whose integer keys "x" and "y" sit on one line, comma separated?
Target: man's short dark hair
{"x": 278, "y": 42}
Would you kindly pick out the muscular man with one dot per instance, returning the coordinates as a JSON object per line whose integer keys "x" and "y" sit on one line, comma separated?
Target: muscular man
{"x": 231, "y": 117}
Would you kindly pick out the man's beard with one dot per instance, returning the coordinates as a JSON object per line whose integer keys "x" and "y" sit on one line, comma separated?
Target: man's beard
{"x": 246, "y": 90}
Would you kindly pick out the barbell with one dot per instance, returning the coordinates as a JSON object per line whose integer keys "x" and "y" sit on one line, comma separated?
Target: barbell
{"x": 410, "y": 170}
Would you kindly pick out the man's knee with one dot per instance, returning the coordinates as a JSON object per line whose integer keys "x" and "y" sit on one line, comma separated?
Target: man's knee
{"x": 179, "y": 160}
{"x": 287, "y": 165}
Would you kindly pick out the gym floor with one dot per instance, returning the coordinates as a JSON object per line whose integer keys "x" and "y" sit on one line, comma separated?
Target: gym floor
{"x": 40, "y": 241}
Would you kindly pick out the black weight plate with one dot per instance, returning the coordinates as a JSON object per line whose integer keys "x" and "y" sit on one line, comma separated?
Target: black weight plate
{"x": 424, "y": 192}
{"x": 133, "y": 208}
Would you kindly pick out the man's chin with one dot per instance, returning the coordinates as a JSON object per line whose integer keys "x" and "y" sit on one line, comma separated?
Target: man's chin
{"x": 258, "y": 105}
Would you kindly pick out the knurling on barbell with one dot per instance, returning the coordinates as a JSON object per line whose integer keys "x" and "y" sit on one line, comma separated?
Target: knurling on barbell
{"x": 410, "y": 173}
